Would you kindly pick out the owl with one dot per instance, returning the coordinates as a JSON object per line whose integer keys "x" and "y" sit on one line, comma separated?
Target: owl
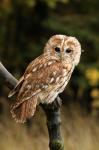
{"x": 46, "y": 76}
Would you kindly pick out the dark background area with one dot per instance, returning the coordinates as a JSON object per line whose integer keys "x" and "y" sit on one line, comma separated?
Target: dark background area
{"x": 25, "y": 27}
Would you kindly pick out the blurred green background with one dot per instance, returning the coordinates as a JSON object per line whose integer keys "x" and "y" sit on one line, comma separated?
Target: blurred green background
{"x": 25, "y": 26}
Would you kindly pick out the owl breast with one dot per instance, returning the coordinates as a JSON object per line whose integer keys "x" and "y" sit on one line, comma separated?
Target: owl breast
{"x": 49, "y": 95}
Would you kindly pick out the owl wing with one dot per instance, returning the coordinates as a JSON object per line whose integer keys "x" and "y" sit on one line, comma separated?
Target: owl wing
{"x": 28, "y": 70}
{"x": 40, "y": 76}
{"x": 16, "y": 88}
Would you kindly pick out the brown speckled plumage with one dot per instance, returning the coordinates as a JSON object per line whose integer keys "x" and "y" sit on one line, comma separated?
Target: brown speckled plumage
{"x": 46, "y": 76}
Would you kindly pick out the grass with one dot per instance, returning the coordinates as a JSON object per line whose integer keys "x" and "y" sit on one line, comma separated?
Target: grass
{"x": 79, "y": 131}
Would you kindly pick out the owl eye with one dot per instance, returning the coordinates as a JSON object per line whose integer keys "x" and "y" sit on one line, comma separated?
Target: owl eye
{"x": 57, "y": 49}
{"x": 68, "y": 50}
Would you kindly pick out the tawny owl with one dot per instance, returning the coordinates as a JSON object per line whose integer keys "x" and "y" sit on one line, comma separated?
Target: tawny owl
{"x": 46, "y": 76}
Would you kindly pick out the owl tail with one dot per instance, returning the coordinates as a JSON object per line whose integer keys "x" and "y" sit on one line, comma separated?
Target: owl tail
{"x": 22, "y": 112}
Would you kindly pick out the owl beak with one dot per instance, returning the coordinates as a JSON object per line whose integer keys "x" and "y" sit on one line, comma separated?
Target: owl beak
{"x": 62, "y": 55}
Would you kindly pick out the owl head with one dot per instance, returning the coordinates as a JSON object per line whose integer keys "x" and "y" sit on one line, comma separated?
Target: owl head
{"x": 65, "y": 48}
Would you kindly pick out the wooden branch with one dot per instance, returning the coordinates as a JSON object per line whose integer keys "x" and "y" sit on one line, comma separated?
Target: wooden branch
{"x": 52, "y": 112}
{"x": 7, "y": 78}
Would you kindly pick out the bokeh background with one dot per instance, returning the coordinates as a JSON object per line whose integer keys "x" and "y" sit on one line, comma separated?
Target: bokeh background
{"x": 25, "y": 26}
